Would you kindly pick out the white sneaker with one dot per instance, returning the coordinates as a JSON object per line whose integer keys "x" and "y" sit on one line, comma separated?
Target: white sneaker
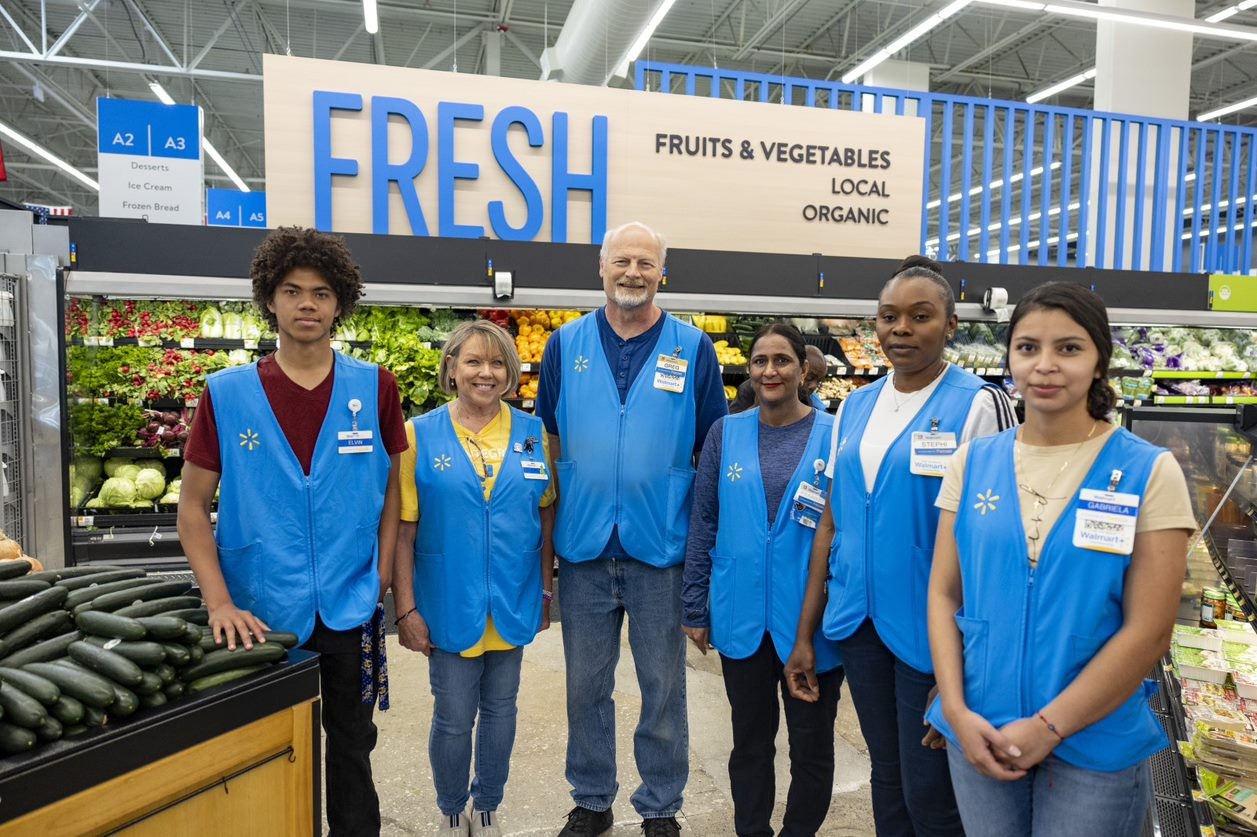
{"x": 453, "y": 825}
{"x": 485, "y": 824}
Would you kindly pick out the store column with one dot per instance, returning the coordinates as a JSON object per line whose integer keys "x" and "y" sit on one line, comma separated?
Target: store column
{"x": 897, "y": 75}
{"x": 1144, "y": 71}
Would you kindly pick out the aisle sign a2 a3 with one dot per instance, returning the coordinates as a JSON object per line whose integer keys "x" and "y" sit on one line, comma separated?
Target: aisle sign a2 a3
{"x": 149, "y": 157}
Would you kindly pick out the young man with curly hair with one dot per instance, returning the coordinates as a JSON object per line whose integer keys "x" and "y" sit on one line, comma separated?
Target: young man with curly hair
{"x": 304, "y": 445}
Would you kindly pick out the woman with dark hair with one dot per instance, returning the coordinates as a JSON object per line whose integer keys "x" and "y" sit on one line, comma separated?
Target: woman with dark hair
{"x": 871, "y": 558}
{"x": 758, "y": 495}
{"x": 1057, "y": 571}
{"x": 745, "y": 399}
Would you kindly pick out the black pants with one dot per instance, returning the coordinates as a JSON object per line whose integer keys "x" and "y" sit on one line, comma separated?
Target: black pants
{"x": 353, "y": 808}
{"x": 752, "y": 685}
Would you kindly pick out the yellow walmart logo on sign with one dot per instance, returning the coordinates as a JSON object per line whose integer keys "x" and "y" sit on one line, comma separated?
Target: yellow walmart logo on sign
{"x": 986, "y": 501}
{"x": 441, "y": 462}
{"x": 249, "y": 440}
{"x": 734, "y": 473}
{"x": 582, "y": 363}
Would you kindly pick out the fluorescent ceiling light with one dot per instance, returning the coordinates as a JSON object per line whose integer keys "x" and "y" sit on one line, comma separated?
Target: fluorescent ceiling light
{"x": 210, "y": 150}
{"x": 1231, "y": 11}
{"x": 904, "y": 41}
{"x": 1177, "y": 25}
{"x": 1049, "y": 92}
{"x": 1223, "y": 111}
{"x": 649, "y": 29}
{"x": 371, "y": 16}
{"x": 1017, "y": 4}
{"x": 39, "y": 151}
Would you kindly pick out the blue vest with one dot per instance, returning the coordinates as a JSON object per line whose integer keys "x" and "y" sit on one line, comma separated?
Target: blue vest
{"x": 817, "y": 403}
{"x": 628, "y": 466}
{"x": 473, "y": 558}
{"x": 879, "y": 564}
{"x": 758, "y": 576}
{"x": 1028, "y": 633}
{"x": 291, "y": 546}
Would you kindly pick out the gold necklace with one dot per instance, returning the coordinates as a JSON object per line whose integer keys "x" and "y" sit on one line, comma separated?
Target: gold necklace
{"x": 1041, "y": 498}
{"x": 894, "y": 393}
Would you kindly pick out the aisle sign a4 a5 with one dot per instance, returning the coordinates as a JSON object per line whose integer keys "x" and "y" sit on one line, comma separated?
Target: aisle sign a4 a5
{"x": 150, "y": 162}
{"x": 392, "y": 150}
{"x": 233, "y": 208}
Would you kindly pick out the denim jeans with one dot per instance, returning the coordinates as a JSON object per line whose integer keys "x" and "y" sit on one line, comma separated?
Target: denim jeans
{"x": 1055, "y": 799}
{"x": 751, "y": 685}
{"x": 912, "y": 795}
{"x": 596, "y": 596}
{"x": 464, "y": 687}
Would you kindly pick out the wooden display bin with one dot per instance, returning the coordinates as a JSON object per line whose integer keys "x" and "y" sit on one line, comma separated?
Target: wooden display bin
{"x": 241, "y": 760}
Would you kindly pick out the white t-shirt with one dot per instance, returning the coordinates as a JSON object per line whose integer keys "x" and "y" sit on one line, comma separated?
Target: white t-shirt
{"x": 990, "y": 412}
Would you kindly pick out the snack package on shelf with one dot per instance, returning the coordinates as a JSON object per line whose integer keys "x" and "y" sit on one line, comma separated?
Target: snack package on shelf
{"x": 833, "y": 389}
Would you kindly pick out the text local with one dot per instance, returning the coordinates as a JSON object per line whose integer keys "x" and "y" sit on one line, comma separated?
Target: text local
{"x": 450, "y": 169}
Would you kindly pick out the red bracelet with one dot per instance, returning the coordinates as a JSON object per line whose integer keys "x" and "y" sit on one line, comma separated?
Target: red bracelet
{"x": 1050, "y": 726}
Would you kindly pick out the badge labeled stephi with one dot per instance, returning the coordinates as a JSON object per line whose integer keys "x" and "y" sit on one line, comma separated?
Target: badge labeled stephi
{"x": 931, "y": 453}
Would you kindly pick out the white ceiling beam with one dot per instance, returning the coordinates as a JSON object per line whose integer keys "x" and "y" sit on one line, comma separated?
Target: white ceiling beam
{"x": 523, "y": 48}
{"x": 20, "y": 33}
{"x": 129, "y": 67}
{"x": 85, "y": 12}
{"x": 232, "y": 17}
{"x": 473, "y": 32}
{"x": 349, "y": 41}
{"x": 774, "y": 22}
{"x": 157, "y": 36}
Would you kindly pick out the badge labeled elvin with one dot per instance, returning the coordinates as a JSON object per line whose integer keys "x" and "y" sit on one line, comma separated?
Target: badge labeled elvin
{"x": 931, "y": 453}
{"x": 355, "y": 441}
{"x": 670, "y": 372}
{"x": 808, "y": 505}
{"x": 1104, "y": 521}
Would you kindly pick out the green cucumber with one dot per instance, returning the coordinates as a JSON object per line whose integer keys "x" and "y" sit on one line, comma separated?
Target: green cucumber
{"x": 207, "y": 643}
{"x": 125, "y": 702}
{"x": 93, "y": 580}
{"x": 88, "y": 687}
{"x": 166, "y": 673}
{"x": 49, "y": 649}
{"x": 284, "y": 638}
{"x": 158, "y": 590}
{"x": 67, "y": 710}
{"x": 15, "y": 739}
{"x": 191, "y": 634}
{"x": 223, "y": 660}
{"x": 60, "y": 573}
{"x": 143, "y": 653}
{"x": 42, "y": 689}
{"x": 82, "y": 597}
{"x": 73, "y": 731}
{"x": 174, "y": 691}
{"x": 20, "y": 708}
{"x": 14, "y": 569}
{"x": 99, "y": 623}
{"x": 163, "y": 627}
{"x": 49, "y": 730}
{"x": 28, "y": 608}
{"x": 20, "y": 588}
{"x": 154, "y": 700}
{"x": 113, "y": 666}
{"x": 46, "y": 625}
{"x": 176, "y": 654}
{"x": 195, "y": 615}
{"x": 150, "y": 683}
{"x": 159, "y": 606}
{"x": 218, "y": 679}
{"x": 94, "y": 716}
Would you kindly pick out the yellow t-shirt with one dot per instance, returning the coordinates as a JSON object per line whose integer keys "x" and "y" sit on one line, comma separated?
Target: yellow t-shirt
{"x": 1166, "y": 503}
{"x": 485, "y": 450}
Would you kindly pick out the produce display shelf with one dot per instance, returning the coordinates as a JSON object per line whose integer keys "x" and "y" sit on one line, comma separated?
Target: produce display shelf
{"x": 1224, "y": 572}
{"x": 1180, "y": 374}
{"x": 155, "y": 404}
{"x": 61, "y": 769}
{"x": 103, "y": 519}
{"x": 1178, "y": 806}
{"x": 218, "y": 343}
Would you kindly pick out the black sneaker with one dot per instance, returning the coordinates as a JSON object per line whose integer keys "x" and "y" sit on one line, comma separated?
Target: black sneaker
{"x": 661, "y": 827}
{"x": 582, "y": 822}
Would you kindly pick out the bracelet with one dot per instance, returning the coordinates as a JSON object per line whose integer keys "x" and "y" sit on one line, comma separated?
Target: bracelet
{"x": 1051, "y": 726}
{"x": 399, "y": 619}
{"x": 547, "y": 595}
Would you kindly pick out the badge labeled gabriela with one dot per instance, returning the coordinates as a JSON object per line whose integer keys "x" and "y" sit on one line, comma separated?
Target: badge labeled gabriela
{"x": 1104, "y": 521}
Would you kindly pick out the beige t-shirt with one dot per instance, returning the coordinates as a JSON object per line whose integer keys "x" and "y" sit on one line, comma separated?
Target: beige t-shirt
{"x": 1165, "y": 504}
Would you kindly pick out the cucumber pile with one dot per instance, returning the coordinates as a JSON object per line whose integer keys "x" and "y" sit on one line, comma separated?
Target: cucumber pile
{"x": 83, "y": 646}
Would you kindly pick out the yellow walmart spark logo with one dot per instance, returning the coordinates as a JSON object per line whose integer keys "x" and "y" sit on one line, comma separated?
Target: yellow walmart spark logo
{"x": 441, "y": 462}
{"x": 734, "y": 473}
{"x": 582, "y": 363}
{"x": 249, "y": 440}
{"x": 986, "y": 502}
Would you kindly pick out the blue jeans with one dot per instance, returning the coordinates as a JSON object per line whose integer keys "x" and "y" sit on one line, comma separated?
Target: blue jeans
{"x": 911, "y": 785}
{"x": 596, "y": 596}
{"x": 1055, "y": 799}
{"x": 463, "y": 687}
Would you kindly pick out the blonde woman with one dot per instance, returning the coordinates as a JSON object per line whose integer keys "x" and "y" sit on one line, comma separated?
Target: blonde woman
{"x": 473, "y": 570}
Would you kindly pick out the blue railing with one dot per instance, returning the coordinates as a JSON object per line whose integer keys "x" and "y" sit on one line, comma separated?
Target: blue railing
{"x": 1015, "y": 183}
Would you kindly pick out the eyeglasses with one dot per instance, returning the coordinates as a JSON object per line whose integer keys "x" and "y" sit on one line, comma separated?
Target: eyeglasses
{"x": 486, "y": 470}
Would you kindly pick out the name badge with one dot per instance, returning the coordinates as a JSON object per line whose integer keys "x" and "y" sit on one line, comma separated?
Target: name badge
{"x": 808, "y": 505}
{"x": 1104, "y": 521}
{"x": 931, "y": 453}
{"x": 670, "y": 373}
{"x": 534, "y": 469}
{"x": 355, "y": 441}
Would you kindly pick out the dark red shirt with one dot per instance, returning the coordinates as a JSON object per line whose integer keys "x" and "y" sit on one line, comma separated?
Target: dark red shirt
{"x": 300, "y": 412}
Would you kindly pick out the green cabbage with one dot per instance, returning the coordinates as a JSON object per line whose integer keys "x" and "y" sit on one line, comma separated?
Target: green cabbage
{"x": 211, "y": 322}
{"x": 129, "y": 472}
{"x": 88, "y": 467}
{"x": 113, "y": 463}
{"x": 150, "y": 483}
{"x": 170, "y": 499}
{"x": 117, "y": 493}
{"x": 94, "y": 503}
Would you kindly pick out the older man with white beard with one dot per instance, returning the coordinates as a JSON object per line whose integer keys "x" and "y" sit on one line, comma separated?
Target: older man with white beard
{"x": 627, "y": 395}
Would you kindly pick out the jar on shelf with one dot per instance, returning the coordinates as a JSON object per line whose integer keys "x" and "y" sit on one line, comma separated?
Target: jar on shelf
{"x": 1212, "y": 607}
